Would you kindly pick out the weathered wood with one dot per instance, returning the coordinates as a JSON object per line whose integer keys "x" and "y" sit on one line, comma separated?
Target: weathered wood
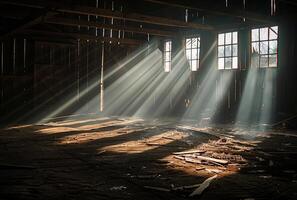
{"x": 212, "y": 159}
{"x": 157, "y": 188}
{"x": 220, "y": 11}
{"x": 28, "y": 24}
{"x": 192, "y": 160}
{"x": 84, "y": 23}
{"x": 84, "y": 37}
{"x": 189, "y": 152}
{"x": 85, "y": 10}
{"x": 203, "y": 186}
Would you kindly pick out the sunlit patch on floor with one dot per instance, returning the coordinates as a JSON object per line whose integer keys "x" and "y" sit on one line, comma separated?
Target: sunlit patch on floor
{"x": 147, "y": 143}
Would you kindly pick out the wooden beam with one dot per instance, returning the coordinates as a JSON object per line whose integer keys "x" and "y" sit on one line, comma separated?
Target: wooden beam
{"x": 85, "y": 10}
{"x": 289, "y": 2}
{"x": 222, "y": 11}
{"x": 84, "y": 37}
{"x": 14, "y": 77}
{"x": 84, "y": 23}
{"x": 28, "y": 24}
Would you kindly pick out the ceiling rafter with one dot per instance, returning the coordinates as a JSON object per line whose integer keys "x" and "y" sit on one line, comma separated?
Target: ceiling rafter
{"x": 84, "y": 23}
{"x": 86, "y": 10}
{"x": 221, "y": 11}
{"x": 28, "y": 23}
{"x": 80, "y": 36}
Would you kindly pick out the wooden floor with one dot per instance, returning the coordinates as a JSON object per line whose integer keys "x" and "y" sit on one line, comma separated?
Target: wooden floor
{"x": 123, "y": 158}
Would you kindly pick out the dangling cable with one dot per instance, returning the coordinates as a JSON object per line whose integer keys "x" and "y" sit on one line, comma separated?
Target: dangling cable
{"x": 272, "y": 7}
{"x": 244, "y": 5}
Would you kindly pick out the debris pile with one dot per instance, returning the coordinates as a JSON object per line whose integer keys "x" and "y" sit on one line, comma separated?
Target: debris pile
{"x": 198, "y": 188}
{"x": 223, "y": 154}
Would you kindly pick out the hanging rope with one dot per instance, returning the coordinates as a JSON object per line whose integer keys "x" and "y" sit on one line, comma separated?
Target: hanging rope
{"x": 186, "y": 15}
{"x": 244, "y": 5}
{"x": 226, "y": 3}
{"x": 272, "y": 7}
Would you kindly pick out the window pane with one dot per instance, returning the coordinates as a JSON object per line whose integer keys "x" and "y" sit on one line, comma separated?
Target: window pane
{"x": 228, "y": 38}
{"x": 228, "y": 62}
{"x": 275, "y": 28}
{"x": 264, "y": 61}
{"x": 273, "y": 60}
{"x": 228, "y": 50}
{"x": 221, "y": 51}
{"x": 167, "y": 66}
{"x": 234, "y": 37}
{"x": 272, "y": 34}
{"x": 221, "y": 39}
{"x": 234, "y": 50}
{"x": 188, "y": 54}
{"x": 264, "y": 47}
{"x": 188, "y": 43}
{"x": 273, "y": 47}
{"x": 264, "y": 33}
{"x": 235, "y": 63}
{"x": 194, "y": 42}
{"x": 168, "y": 46}
{"x": 221, "y": 63}
{"x": 198, "y": 53}
{"x": 194, "y": 53}
{"x": 255, "y": 35}
{"x": 255, "y": 48}
{"x": 194, "y": 65}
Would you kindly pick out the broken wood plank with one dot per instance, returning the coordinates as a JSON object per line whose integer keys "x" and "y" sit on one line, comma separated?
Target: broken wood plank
{"x": 212, "y": 159}
{"x": 186, "y": 187}
{"x": 192, "y": 160}
{"x": 203, "y": 186}
{"x": 179, "y": 157}
{"x": 157, "y": 188}
{"x": 189, "y": 152}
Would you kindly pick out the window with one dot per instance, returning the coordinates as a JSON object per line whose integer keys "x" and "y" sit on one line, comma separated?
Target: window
{"x": 167, "y": 55}
{"x": 193, "y": 52}
{"x": 264, "y": 49}
{"x": 228, "y": 50}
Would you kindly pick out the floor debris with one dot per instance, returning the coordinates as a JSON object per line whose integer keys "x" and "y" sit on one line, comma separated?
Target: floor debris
{"x": 203, "y": 186}
{"x": 157, "y": 188}
{"x": 118, "y": 188}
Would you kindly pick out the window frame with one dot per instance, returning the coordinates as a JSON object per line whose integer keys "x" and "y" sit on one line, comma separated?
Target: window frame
{"x": 165, "y": 51}
{"x": 268, "y": 40}
{"x": 224, "y": 47}
{"x": 198, "y": 48}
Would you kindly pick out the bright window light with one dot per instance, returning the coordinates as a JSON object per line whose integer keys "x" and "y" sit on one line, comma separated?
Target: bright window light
{"x": 264, "y": 48}
{"x": 193, "y": 52}
{"x": 167, "y": 55}
{"x": 228, "y": 50}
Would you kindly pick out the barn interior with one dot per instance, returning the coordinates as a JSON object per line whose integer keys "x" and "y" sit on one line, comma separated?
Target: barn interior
{"x": 148, "y": 99}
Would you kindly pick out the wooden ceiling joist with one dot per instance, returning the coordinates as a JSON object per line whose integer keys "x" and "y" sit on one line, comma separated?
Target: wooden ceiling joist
{"x": 28, "y": 24}
{"x": 125, "y": 41}
{"x": 82, "y": 10}
{"x": 85, "y": 10}
{"x": 221, "y": 11}
{"x": 84, "y": 23}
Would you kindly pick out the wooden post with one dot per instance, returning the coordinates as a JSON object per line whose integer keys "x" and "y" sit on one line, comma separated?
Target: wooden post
{"x": 101, "y": 79}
